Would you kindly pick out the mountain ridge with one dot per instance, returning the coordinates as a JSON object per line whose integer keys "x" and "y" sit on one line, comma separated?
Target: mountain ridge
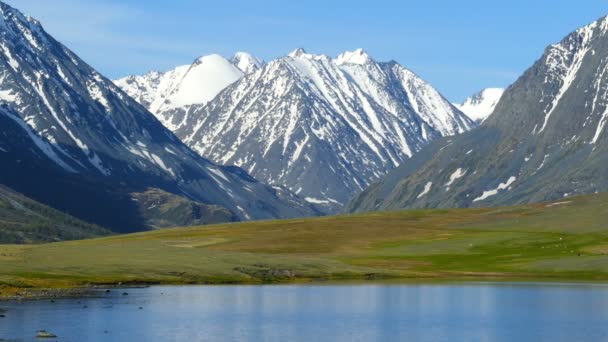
{"x": 322, "y": 127}
{"x": 545, "y": 141}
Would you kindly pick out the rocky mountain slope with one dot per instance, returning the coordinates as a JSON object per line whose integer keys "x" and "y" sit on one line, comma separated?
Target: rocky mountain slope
{"x": 324, "y": 128}
{"x": 546, "y": 140}
{"x": 27, "y": 167}
{"x": 481, "y": 105}
{"x": 70, "y": 120}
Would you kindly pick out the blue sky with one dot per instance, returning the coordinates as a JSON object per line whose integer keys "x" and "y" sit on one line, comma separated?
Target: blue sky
{"x": 459, "y": 46}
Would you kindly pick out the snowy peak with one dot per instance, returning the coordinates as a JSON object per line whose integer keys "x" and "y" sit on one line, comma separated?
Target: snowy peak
{"x": 246, "y": 62}
{"x": 188, "y": 85}
{"x": 16, "y": 24}
{"x": 207, "y": 76}
{"x": 151, "y": 90}
{"x": 481, "y": 105}
{"x": 358, "y": 56}
{"x": 299, "y": 52}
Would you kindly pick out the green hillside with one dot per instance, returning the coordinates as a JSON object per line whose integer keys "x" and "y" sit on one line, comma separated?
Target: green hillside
{"x": 566, "y": 240}
{"x": 23, "y": 220}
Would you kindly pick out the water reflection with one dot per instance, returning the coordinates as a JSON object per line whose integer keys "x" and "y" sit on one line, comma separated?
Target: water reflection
{"x": 461, "y": 312}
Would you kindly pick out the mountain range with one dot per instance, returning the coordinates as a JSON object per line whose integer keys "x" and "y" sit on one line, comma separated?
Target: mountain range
{"x": 89, "y": 141}
{"x": 546, "y": 140}
{"x": 224, "y": 140}
{"x": 323, "y": 127}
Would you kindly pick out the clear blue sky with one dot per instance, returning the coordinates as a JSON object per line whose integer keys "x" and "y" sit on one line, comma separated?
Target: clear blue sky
{"x": 459, "y": 46}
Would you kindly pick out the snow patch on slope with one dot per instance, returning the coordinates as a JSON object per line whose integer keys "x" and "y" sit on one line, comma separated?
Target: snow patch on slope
{"x": 459, "y": 173}
{"x": 427, "y": 189}
{"x": 493, "y": 192}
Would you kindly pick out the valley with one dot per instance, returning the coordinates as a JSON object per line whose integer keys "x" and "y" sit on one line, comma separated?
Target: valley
{"x": 433, "y": 192}
{"x": 565, "y": 240}
{"x": 330, "y": 194}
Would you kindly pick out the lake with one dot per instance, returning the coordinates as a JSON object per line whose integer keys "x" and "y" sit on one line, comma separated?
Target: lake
{"x": 343, "y": 312}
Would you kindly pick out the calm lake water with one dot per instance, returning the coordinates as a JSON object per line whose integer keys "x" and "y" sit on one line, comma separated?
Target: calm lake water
{"x": 444, "y": 312}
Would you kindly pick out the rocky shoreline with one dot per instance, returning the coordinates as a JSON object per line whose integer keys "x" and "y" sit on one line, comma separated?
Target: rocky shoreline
{"x": 90, "y": 291}
{"x": 40, "y": 294}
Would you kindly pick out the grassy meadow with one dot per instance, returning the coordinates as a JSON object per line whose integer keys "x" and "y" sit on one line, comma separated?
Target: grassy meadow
{"x": 564, "y": 240}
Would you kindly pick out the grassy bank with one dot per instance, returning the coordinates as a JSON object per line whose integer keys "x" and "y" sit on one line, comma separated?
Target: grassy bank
{"x": 567, "y": 240}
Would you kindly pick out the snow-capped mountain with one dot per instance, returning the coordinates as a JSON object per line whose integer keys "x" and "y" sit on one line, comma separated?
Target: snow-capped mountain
{"x": 90, "y": 129}
{"x": 325, "y": 128}
{"x": 187, "y": 85}
{"x": 33, "y": 166}
{"x": 546, "y": 140}
{"x": 481, "y": 105}
{"x": 152, "y": 90}
{"x": 246, "y": 62}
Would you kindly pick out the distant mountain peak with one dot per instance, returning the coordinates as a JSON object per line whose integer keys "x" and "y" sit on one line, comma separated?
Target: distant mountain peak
{"x": 302, "y": 54}
{"x": 211, "y": 58}
{"x": 299, "y": 52}
{"x": 207, "y": 76}
{"x": 481, "y": 105}
{"x": 247, "y": 62}
{"x": 359, "y": 56}
{"x": 188, "y": 85}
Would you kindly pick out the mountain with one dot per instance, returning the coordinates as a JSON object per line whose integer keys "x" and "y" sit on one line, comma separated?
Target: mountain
{"x": 26, "y": 161}
{"x": 481, "y": 105}
{"x": 187, "y": 85}
{"x": 80, "y": 144}
{"x": 324, "y": 128}
{"x": 25, "y": 156}
{"x": 546, "y": 140}
{"x": 152, "y": 89}
{"x": 23, "y": 220}
{"x": 246, "y": 62}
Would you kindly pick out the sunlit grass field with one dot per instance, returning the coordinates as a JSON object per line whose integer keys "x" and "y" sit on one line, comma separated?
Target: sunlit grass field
{"x": 565, "y": 240}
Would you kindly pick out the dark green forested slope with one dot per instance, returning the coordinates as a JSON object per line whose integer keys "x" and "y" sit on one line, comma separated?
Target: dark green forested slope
{"x": 23, "y": 220}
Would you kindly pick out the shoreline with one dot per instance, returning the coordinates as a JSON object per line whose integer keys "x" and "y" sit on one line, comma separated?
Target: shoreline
{"x": 15, "y": 294}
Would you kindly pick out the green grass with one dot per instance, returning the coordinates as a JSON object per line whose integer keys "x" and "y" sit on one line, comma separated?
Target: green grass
{"x": 567, "y": 241}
